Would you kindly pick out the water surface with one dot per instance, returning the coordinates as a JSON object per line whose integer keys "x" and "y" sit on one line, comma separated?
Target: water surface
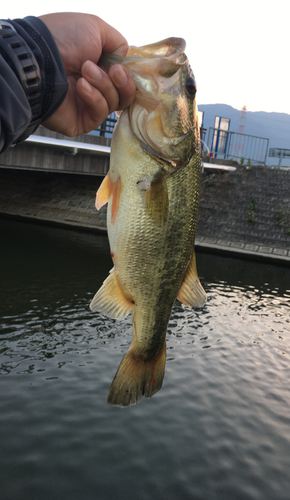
{"x": 217, "y": 430}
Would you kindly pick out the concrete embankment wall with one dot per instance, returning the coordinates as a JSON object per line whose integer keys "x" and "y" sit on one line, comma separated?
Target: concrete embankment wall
{"x": 244, "y": 209}
{"x": 52, "y": 197}
{"x": 247, "y": 205}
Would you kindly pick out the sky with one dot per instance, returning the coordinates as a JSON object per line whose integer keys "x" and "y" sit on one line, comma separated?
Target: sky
{"x": 237, "y": 50}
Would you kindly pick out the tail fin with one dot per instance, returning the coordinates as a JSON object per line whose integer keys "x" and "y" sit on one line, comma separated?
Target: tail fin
{"x": 136, "y": 378}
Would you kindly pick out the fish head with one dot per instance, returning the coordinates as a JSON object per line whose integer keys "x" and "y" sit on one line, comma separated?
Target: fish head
{"x": 163, "y": 116}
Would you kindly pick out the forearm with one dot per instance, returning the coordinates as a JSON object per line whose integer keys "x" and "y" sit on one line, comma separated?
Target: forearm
{"x": 33, "y": 85}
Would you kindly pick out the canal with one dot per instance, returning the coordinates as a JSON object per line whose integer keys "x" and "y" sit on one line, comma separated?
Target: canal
{"x": 219, "y": 427}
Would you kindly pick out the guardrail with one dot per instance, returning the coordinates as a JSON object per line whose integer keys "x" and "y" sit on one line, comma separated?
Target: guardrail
{"x": 107, "y": 127}
{"x": 237, "y": 146}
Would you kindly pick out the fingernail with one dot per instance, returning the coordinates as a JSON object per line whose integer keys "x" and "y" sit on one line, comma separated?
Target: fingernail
{"x": 86, "y": 86}
{"x": 93, "y": 71}
{"x": 120, "y": 76}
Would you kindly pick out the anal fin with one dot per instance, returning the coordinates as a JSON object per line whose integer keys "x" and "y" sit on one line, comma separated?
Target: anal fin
{"x": 191, "y": 292}
{"x": 110, "y": 299}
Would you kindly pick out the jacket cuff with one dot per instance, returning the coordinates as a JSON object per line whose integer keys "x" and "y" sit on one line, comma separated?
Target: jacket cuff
{"x": 53, "y": 76}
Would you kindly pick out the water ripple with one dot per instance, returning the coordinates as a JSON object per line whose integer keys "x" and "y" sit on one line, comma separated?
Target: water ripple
{"x": 219, "y": 427}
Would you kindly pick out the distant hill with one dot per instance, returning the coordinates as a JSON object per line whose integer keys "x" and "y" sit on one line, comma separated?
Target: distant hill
{"x": 274, "y": 126}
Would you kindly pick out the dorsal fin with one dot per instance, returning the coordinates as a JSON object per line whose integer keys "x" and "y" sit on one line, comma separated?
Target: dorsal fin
{"x": 191, "y": 292}
{"x": 110, "y": 299}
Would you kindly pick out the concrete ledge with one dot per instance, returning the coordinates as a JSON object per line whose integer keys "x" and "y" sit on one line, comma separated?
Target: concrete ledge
{"x": 75, "y": 146}
{"x": 242, "y": 250}
{"x": 213, "y": 168}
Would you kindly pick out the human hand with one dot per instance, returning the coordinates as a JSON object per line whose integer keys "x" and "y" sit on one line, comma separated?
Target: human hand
{"x": 92, "y": 94}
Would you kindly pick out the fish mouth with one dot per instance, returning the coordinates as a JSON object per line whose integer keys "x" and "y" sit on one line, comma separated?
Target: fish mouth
{"x": 162, "y": 58}
{"x": 169, "y": 47}
{"x": 157, "y": 71}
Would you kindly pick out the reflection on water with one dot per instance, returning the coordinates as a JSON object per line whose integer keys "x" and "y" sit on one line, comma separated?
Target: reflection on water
{"x": 219, "y": 427}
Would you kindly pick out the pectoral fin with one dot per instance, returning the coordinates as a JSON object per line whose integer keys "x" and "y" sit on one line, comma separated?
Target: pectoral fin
{"x": 104, "y": 192}
{"x": 191, "y": 293}
{"x": 117, "y": 190}
{"x": 156, "y": 197}
{"x": 107, "y": 189}
{"x": 110, "y": 299}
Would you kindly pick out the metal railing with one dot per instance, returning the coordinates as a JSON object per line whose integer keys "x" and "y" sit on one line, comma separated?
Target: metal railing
{"x": 107, "y": 127}
{"x": 279, "y": 153}
{"x": 237, "y": 146}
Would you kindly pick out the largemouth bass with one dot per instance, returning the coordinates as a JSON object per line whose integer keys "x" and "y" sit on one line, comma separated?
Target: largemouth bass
{"x": 152, "y": 192}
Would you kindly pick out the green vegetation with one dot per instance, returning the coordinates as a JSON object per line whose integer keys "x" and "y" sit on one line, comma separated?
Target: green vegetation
{"x": 251, "y": 210}
{"x": 284, "y": 218}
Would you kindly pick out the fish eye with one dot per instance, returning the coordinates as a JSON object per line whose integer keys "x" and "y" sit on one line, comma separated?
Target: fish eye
{"x": 190, "y": 86}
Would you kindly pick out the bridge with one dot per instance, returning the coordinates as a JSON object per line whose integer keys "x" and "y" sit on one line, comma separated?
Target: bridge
{"x": 52, "y": 152}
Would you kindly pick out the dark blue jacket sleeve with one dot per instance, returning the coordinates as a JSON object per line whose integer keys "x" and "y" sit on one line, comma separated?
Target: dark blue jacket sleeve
{"x": 16, "y": 120}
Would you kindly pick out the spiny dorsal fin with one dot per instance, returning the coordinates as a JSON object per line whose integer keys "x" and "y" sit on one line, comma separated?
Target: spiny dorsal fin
{"x": 191, "y": 292}
{"x": 110, "y": 299}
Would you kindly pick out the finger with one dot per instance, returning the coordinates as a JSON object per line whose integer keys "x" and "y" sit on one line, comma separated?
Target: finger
{"x": 117, "y": 87}
{"x": 95, "y": 107}
{"x": 124, "y": 84}
{"x": 102, "y": 82}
